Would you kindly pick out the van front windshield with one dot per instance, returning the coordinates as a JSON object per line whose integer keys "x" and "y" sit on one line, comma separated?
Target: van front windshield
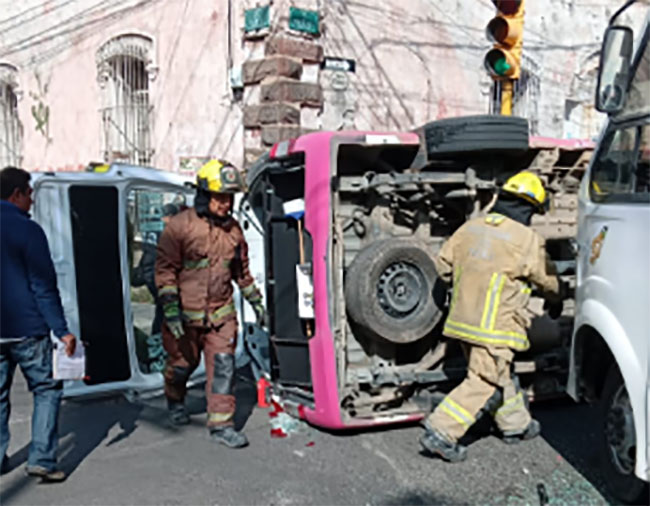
{"x": 621, "y": 171}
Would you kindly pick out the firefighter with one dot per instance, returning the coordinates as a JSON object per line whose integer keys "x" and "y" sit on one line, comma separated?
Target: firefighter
{"x": 200, "y": 253}
{"x": 491, "y": 262}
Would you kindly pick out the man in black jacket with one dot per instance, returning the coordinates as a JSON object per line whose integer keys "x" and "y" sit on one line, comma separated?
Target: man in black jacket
{"x": 31, "y": 308}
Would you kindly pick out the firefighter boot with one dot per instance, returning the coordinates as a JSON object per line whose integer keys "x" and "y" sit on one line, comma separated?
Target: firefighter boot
{"x": 533, "y": 430}
{"x": 436, "y": 443}
{"x": 177, "y": 413}
{"x": 228, "y": 436}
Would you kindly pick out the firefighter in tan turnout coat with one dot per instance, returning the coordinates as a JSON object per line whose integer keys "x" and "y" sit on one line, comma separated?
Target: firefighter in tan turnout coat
{"x": 201, "y": 252}
{"x": 492, "y": 263}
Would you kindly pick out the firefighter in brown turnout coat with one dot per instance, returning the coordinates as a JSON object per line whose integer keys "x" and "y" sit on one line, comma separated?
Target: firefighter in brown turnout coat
{"x": 492, "y": 262}
{"x": 201, "y": 252}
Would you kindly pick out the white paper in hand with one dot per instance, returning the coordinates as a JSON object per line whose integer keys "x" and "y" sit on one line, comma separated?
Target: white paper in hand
{"x": 68, "y": 368}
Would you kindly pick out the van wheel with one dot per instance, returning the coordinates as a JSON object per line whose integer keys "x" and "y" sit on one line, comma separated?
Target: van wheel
{"x": 618, "y": 442}
{"x": 388, "y": 290}
{"x": 474, "y": 135}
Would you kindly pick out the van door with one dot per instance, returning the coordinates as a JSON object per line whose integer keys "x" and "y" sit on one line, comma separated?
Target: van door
{"x": 614, "y": 233}
{"x": 97, "y": 229}
{"x": 81, "y": 221}
{"x": 253, "y": 340}
{"x": 276, "y": 182}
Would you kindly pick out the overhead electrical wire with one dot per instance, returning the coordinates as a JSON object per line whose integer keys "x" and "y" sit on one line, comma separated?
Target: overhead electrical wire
{"x": 105, "y": 16}
{"x": 28, "y": 41}
{"x": 22, "y": 22}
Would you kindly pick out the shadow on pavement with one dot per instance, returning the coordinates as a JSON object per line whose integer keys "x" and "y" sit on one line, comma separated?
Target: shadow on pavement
{"x": 415, "y": 498}
{"x": 85, "y": 424}
{"x": 82, "y": 427}
{"x": 571, "y": 430}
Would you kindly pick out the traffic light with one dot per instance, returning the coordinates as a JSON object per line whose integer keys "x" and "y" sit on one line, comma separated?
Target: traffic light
{"x": 506, "y": 31}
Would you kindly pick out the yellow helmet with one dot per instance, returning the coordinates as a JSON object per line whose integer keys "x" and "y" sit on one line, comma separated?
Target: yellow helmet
{"x": 219, "y": 176}
{"x": 528, "y": 186}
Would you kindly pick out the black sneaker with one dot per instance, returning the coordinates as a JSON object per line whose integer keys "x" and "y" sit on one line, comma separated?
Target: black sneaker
{"x": 533, "y": 430}
{"x": 178, "y": 414}
{"x": 51, "y": 476}
{"x": 437, "y": 444}
{"x": 229, "y": 437}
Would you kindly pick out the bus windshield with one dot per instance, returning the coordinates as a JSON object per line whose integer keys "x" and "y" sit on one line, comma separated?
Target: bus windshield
{"x": 638, "y": 97}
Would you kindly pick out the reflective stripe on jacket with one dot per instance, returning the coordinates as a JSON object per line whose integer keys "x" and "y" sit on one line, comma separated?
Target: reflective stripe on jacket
{"x": 491, "y": 261}
{"x": 196, "y": 263}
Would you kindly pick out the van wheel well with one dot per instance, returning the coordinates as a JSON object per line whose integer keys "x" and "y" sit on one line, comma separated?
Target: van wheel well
{"x": 594, "y": 359}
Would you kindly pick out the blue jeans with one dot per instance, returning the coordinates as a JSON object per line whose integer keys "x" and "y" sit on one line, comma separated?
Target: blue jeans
{"x": 34, "y": 356}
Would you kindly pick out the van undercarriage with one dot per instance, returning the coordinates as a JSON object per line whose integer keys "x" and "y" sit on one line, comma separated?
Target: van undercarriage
{"x": 383, "y": 211}
{"x": 392, "y": 204}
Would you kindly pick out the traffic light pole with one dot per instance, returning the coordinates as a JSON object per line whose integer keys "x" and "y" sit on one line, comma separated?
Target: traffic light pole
{"x": 507, "y": 87}
{"x": 503, "y": 61}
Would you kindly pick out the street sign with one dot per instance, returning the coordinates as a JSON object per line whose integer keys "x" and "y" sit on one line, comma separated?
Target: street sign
{"x": 336, "y": 63}
{"x": 303, "y": 20}
{"x": 256, "y": 19}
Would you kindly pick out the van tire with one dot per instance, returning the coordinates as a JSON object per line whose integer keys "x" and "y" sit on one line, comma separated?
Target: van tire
{"x": 624, "y": 486}
{"x": 388, "y": 289}
{"x": 475, "y": 135}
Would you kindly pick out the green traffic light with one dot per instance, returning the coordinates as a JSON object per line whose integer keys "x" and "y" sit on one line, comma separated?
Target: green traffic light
{"x": 501, "y": 66}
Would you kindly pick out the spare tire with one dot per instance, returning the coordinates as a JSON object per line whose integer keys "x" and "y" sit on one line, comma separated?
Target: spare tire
{"x": 475, "y": 135}
{"x": 388, "y": 289}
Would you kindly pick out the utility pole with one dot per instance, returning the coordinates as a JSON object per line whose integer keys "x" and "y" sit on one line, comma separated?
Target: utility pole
{"x": 503, "y": 61}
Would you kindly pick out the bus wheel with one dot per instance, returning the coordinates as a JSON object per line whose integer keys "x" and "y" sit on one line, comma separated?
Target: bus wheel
{"x": 618, "y": 442}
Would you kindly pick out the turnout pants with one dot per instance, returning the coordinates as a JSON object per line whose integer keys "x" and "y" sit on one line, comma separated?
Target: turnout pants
{"x": 218, "y": 346}
{"x": 489, "y": 371}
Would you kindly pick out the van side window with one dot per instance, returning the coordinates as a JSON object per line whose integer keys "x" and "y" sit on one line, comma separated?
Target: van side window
{"x": 621, "y": 173}
{"x": 148, "y": 211}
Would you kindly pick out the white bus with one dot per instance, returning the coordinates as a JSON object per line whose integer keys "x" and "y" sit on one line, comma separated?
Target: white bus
{"x": 610, "y": 352}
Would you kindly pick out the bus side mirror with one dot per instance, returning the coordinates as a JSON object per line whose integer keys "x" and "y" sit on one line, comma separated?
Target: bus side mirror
{"x": 614, "y": 71}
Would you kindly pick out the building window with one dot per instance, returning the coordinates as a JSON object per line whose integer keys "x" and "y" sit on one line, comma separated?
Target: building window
{"x": 125, "y": 68}
{"x": 11, "y": 131}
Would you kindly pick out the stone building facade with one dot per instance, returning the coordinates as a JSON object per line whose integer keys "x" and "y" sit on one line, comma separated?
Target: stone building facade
{"x": 168, "y": 83}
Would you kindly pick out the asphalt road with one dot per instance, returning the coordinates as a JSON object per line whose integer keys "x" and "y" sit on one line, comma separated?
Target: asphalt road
{"x": 122, "y": 453}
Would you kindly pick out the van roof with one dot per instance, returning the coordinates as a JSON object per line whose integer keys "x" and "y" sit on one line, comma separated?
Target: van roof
{"x": 116, "y": 172}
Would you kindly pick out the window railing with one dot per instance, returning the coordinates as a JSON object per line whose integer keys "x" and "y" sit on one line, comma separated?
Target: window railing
{"x": 127, "y": 133}
{"x": 10, "y": 128}
{"x": 124, "y": 71}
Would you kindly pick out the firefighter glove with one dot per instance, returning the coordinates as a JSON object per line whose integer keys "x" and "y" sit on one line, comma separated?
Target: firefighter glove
{"x": 554, "y": 308}
{"x": 260, "y": 315}
{"x": 176, "y": 328}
